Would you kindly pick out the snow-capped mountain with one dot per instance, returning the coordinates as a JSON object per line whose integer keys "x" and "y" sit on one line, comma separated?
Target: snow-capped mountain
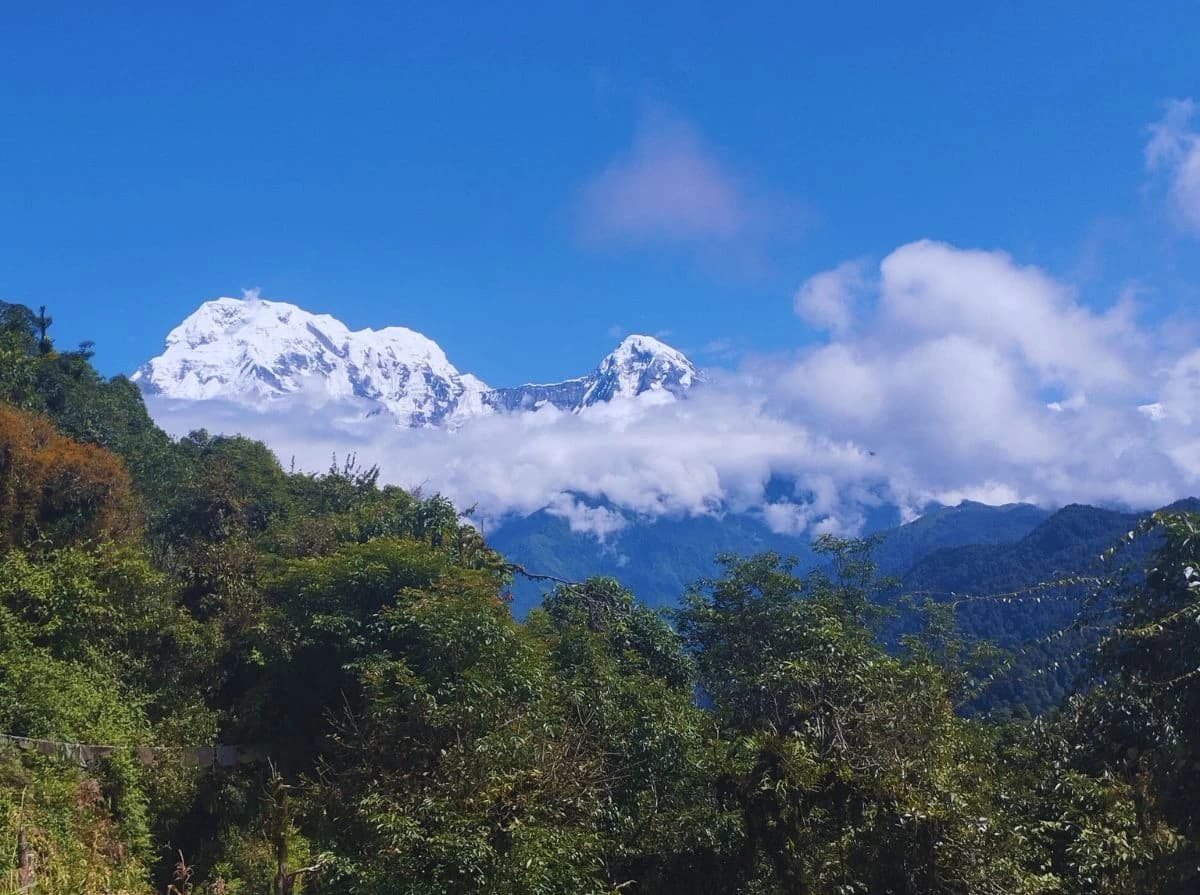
{"x": 639, "y": 364}
{"x": 256, "y": 352}
{"x": 253, "y": 351}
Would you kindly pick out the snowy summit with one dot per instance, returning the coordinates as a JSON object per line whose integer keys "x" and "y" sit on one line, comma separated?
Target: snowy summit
{"x": 253, "y": 351}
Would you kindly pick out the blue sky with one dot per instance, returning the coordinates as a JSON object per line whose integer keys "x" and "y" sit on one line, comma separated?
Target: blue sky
{"x": 523, "y": 185}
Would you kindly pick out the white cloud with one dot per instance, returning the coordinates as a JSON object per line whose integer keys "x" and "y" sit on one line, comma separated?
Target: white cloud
{"x": 974, "y": 375}
{"x": 1173, "y": 151}
{"x": 930, "y": 288}
{"x": 669, "y": 188}
{"x": 599, "y": 521}
{"x": 827, "y": 300}
{"x": 962, "y": 374}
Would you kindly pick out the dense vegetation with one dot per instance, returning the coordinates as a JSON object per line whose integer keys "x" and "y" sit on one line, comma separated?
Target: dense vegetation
{"x": 947, "y": 554}
{"x": 402, "y": 733}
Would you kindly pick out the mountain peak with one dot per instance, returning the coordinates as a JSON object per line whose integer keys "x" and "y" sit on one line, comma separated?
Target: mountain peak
{"x": 637, "y": 342}
{"x": 640, "y": 364}
{"x": 645, "y": 349}
{"x": 253, "y": 351}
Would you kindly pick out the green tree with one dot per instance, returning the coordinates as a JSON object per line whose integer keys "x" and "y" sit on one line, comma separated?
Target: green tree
{"x": 849, "y": 765}
{"x": 452, "y": 755}
{"x": 627, "y": 687}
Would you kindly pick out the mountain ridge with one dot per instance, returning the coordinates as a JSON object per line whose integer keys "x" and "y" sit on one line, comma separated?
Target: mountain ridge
{"x": 257, "y": 351}
{"x": 639, "y": 364}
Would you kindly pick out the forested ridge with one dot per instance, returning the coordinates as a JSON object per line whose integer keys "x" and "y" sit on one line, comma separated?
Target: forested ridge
{"x": 391, "y": 728}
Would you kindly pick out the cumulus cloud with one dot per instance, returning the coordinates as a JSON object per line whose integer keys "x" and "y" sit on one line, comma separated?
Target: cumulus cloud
{"x": 670, "y": 187}
{"x": 1173, "y": 151}
{"x": 931, "y": 288}
{"x": 954, "y": 374}
{"x": 827, "y": 300}
{"x": 976, "y": 376}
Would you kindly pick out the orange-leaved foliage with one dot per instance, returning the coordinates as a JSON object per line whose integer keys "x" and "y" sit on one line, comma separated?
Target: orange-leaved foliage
{"x": 57, "y": 490}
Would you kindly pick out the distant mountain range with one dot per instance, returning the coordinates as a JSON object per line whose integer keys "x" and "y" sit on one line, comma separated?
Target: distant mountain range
{"x": 257, "y": 352}
{"x": 659, "y": 558}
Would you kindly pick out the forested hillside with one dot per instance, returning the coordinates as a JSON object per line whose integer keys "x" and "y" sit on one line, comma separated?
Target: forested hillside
{"x": 219, "y": 676}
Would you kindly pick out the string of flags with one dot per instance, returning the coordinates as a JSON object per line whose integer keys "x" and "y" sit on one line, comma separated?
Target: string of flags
{"x": 84, "y": 754}
{"x": 1045, "y": 590}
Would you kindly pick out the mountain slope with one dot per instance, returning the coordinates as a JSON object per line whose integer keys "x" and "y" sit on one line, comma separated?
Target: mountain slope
{"x": 1067, "y": 543}
{"x": 948, "y": 527}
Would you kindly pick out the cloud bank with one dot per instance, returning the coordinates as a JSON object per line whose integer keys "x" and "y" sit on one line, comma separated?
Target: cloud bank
{"x": 946, "y": 374}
